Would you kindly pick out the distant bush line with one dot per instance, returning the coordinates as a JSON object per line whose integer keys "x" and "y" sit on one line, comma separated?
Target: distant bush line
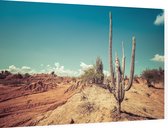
{"x": 153, "y": 76}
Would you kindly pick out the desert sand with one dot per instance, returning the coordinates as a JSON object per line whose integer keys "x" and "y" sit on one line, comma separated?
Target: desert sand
{"x": 44, "y": 99}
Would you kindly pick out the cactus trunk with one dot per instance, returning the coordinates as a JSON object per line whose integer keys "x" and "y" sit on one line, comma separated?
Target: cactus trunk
{"x": 118, "y": 107}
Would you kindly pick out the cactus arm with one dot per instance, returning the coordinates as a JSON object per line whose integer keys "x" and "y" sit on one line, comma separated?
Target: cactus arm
{"x": 123, "y": 62}
{"x": 122, "y": 92}
{"x": 123, "y": 74}
{"x": 110, "y": 52}
{"x": 132, "y": 65}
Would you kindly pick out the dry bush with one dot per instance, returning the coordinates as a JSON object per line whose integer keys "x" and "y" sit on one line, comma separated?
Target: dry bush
{"x": 153, "y": 76}
{"x": 89, "y": 75}
{"x": 87, "y": 108}
{"x": 7, "y": 78}
{"x": 27, "y": 75}
{"x": 94, "y": 74}
{"x": 4, "y": 74}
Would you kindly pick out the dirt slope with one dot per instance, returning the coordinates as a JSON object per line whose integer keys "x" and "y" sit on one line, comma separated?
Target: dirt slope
{"x": 95, "y": 104}
{"x": 47, "y": 100}
{"x": 21, "y": 104}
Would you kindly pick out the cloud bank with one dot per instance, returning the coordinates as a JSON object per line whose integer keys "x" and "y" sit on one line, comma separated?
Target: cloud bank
{"x": 59, "y": 69}
{"x": 22, "y": 70}
{"x": 159, "y": 19}
{"x": 62, "y": 71}
{"x": 158, "y": 58}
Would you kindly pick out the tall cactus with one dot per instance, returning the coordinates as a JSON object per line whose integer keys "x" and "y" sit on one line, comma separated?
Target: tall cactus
{"x": 117, "y": 86}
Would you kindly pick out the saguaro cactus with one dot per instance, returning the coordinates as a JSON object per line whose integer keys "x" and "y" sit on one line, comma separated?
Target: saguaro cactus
{"x": 117, "y": 85}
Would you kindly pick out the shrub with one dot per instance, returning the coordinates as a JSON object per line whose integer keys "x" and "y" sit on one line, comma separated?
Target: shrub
{"x": 89, "y": 75}
{"x": 27, "y": 75}
{"x": 153, "y": 76}
{"x": 136, "y": 78}
{"x": 18, "y": 76}
{"x": 94, "y": 74}
{"x": 4, "y": 74}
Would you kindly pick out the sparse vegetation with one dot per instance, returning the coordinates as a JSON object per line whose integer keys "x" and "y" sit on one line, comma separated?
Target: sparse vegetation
{"x": 7, "y": 78}
{"x": 53, "y": 74}
{"x": 89, "y": 75}
{"x": 27, "y": 75}
{"x": 94, "y": 74}
{"x": 136, "y": 78}
{"x": 99, "y": 76}
{"x": 86, "y": 108}
{"x": 153, "y": 76}
{"x": 4, "y": 74}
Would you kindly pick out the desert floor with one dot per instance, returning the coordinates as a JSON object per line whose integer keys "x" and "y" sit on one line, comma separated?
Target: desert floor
{"x": 50, "y": 100}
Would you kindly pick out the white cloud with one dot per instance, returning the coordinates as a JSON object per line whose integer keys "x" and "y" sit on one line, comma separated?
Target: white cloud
{"x": 13, "y": 69}
{"x": 85, "y": 66}
{"x": 22, "y": 70}
{"x": 159, "y": 19}
{"x": 158, "y": 58}
{"x": 61, "y": 71}
{"x": 26, "y": 69}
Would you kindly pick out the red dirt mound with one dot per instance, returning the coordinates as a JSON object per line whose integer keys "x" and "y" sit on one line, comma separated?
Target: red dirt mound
{"x": 38, "y": 87}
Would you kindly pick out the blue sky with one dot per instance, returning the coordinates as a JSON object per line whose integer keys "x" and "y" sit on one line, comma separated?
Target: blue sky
{"x": 41, "y": 37}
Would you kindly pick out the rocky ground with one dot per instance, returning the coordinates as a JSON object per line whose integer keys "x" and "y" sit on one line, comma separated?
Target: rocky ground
{"x": 51, "y": 100}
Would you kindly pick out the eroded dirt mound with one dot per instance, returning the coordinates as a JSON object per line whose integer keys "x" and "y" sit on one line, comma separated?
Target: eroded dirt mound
{"x": 39, "y": 86}
{"x": 17, "y": 85}
{"x": 95, "y": 104}
{"x": 37, "y": 94}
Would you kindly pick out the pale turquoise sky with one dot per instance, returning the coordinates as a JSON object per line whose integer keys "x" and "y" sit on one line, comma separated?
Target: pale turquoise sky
{"x": 34, "y": 34}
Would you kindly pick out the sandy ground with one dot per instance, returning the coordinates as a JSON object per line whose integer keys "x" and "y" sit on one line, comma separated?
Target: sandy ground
{"x": 61, "y": 101}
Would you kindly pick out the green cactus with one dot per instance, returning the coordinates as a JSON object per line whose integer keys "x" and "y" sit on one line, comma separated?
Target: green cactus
{"x": 117, "y": 85}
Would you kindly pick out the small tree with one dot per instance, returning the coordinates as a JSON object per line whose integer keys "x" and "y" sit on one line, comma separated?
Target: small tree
{"x": 94, "y": 74}
{"x": 89, "y": 75}
{"x": 99, "y": 76}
